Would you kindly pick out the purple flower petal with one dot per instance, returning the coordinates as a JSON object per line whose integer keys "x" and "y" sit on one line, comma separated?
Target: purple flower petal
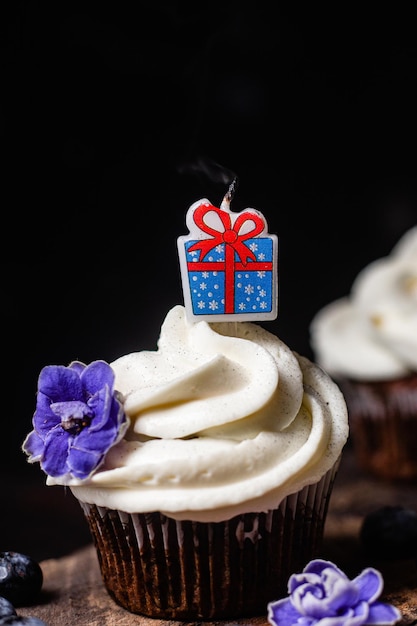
{"x": 316, "y": 566}
{"x": 99, "y": 440}
{"x": 77, "y": 366}
{"x": 380, "y": 613}
{"x": 356, "y": 615}
{"x": 309, "y": 599}
{"x": 283, "y": 613}
{"x": 96, "y": 375}
{"x": 33, "y": 445}
{"x": 54, "y": 461}
{"x": 44, "y": 418}
{"x": 60, "y": 383}
{"x": 82, "y": 463}
{"x": 339, "y": 590}
{"x": 101, "y": 404}
{"x": 370, "y": 584}
{"x": 297, "y": 580}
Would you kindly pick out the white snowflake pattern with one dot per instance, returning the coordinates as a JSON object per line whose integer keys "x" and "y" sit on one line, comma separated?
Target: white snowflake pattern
{"x": 242, "y": 306}
{"x": 261, "y": 274}
{"x": 262, "y": 293}
{"x": 263, "y": 305}
{"x": 203, "y": 286}
{"x": 253, "y": 246}
{"x": 219, "y": 248}
{"x": 205, "y": 274}
{"x": 261, "y": 256}
{"x": 213, "y": 305}
{"x": 201, "y": 304}
{"x": 249, "y": 289}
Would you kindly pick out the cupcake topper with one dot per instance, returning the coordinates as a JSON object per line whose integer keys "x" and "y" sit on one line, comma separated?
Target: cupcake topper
{"x": 228, "y": 263}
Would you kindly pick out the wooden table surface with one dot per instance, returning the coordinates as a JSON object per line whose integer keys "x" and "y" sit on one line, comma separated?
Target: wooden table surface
{"x": 73, "y": 593}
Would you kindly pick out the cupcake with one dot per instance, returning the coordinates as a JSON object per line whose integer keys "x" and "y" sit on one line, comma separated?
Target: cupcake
{"x": 367, "y": 342}
{"x": 204, "y": 468}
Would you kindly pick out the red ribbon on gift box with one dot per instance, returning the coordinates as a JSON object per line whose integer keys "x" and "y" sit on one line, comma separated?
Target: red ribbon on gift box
{"x": 234, "y": 243}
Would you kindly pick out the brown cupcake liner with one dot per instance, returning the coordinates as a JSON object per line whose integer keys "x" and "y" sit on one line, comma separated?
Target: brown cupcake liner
{"x": 383, "y": 426}
{"x": 162, "y": 568}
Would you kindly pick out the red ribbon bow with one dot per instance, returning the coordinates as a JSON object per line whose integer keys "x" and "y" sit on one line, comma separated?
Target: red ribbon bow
{"x": 229, "y": 236}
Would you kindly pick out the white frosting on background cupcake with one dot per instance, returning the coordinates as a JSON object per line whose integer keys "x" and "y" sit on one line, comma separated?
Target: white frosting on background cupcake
{"x": 224, "y": 419}
{"x": 371, "y": 334}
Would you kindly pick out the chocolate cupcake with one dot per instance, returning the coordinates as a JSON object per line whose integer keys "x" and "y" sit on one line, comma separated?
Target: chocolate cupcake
{"x": 367, "y": 342}
{"x": 204, "y": 468}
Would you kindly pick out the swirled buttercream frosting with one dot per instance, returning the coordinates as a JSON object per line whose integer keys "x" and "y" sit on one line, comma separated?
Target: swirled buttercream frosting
{"x": 371, "y": 334}
{"x": 223, "y": 418}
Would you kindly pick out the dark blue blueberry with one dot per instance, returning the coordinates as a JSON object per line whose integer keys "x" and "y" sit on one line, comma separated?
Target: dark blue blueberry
{"x": 20, "y": 578}
{"x": 21, "y": 619}
{"x": 6, "y": 608}
{"x": 390, "y": 533}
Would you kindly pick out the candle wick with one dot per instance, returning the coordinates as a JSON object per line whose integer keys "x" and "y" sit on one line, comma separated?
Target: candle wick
{"x": 229, "y": 194}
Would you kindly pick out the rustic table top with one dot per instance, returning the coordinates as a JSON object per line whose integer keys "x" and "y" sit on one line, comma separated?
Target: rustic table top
{"x": 73, "y": 593}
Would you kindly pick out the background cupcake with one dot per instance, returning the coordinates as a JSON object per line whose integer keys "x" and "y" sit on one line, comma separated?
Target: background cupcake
{"x": 367, "y": 342}
{"x": 204, "y": 468}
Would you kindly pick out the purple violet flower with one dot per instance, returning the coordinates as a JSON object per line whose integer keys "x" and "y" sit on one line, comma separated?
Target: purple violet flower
{"x": 78, "y": 418}
{"x": 322, "y": 595}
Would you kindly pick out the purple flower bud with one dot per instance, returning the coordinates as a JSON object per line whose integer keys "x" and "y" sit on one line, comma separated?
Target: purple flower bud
{"x": 322, "y": 593}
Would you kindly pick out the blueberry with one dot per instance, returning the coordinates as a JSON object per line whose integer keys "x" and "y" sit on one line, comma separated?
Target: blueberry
{"x": 20, "y": 578}
{"x": 6, "y": 608}
{"x": 22, "y": 620}
{"x": 390, "y": 533}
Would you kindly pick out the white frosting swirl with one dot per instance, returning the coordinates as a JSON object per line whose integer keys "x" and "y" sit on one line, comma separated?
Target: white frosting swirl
{"x": 372, "y": 333}
{"x": 225, "y": 419}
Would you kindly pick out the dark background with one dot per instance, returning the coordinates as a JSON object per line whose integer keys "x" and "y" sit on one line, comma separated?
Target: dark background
{"x": 115, "y": 119}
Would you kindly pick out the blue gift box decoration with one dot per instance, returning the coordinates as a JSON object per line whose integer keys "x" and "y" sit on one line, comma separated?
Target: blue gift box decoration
{"x": 228, "y": 265}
